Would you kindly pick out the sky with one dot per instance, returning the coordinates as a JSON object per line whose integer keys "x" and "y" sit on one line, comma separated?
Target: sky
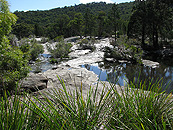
{"x": 25, "y": 5}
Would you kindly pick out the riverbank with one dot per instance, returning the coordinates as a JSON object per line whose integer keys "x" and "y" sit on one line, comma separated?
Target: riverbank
{"x": 74, "y": 75}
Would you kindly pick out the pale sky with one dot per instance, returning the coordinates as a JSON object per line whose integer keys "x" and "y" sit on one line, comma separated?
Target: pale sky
{"x": 25, "y": 5}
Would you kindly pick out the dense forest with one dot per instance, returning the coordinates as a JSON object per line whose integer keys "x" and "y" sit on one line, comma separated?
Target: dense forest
{"x": 148, "y": 21}
{"x": 83, "y": 19}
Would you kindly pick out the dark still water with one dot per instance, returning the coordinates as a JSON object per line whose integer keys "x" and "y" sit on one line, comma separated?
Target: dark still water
{"x": 123, "y": 73}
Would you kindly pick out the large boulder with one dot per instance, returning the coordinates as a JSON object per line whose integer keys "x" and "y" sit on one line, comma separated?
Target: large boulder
{"x": 33, "y": 82}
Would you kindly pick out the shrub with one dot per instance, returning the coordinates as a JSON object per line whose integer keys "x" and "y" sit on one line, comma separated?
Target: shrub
{"x": 31, "y": 49}
{"x": 136, "y": 108}
{"x": 36, "y": 49}
{"x": 87, "y": 44}
{"x": 59, "y": 39}
{"x": 59, "y": 49}
{"x": 14, "y": 66}
{"x": 17, "y": 114}
{"x": 53, "y": 60}
{"x": 125, "y": 49}
{"x": 70, "y": 110}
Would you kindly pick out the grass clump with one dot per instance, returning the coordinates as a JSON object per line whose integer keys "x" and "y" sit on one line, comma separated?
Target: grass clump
{"x": 65, "y": 109}
{"x": 136, "y": 108}
{"x": 112, "y": 107}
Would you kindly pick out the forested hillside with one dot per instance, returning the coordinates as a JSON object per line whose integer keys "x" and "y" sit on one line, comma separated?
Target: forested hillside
{"x": 94, "y": 19}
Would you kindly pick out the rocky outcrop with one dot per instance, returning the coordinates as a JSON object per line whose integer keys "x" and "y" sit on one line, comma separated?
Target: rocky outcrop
{"x": 33, "y": 82}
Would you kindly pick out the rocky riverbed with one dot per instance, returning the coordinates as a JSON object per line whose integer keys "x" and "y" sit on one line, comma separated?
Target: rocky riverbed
{"x": 75, "y": 76}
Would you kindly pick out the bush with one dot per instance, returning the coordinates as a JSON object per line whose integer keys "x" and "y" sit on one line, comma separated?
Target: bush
{"x": 125, "y": 49}
{"x": 17, "y": 114}
{"x": 12, "y": 62}
{"x": 36, "y": 49}
{"x": 53, "y": 60}
{"x": 31, "y": 49}
{"x": 59, "y": 39}
{"x": 14, "y": 66}
{"x": 59, "y": 49}
{"x": 87, "y": 44}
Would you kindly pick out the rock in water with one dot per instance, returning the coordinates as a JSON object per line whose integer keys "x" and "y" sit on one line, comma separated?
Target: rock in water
{"x": 33, "y": 82}
{"x": 150, "y": 63}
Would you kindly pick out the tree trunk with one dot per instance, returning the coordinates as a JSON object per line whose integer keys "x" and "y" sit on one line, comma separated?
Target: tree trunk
{"x": 143, "y": 34}
{"x": 115, "y": 29}
{"x": 155, "y": 37}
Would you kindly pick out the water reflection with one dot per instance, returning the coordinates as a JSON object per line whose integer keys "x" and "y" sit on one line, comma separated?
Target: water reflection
{"x": 43, "y": 64}
{"x": 126, "y": 73}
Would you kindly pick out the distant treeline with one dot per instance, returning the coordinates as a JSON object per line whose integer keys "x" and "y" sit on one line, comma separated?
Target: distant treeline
{"x": 84, "y": 19}
{"x": 148, "y": 21}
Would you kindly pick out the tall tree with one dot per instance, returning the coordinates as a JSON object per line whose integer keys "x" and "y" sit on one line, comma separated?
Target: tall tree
{"x": 89, "y": 22}
{"x": 148, "y": 20}
{"x": 62, "y": 23}
{"x": 76, "y": 24}
{"x": 101, "y": 18}
{"x": 38, "y": 30}
{"x": 22, "y": 30}
{"x": 138, "y": 21}
{"x": 114, "y": 17}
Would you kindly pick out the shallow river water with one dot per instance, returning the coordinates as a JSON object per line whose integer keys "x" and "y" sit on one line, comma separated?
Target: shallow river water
{"x": 123, "y": 73}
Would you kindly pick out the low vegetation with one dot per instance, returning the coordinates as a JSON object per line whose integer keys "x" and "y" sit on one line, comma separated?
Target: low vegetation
{"x": 112, "y": 108}
{"x": 59, "y": 49}
{"x": 125, "y": 49}
{"x": 87, "y": 44}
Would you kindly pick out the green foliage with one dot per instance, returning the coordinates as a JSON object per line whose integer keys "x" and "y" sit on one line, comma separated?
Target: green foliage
{"x": 136, "y": 108}
{"x": 38, "y": 31}
{"x": 59, "y": 38}
{"x": 36, "y": 49}
{"x": 13, "y": 65}
{"x": 87, "y": 44}
{"x": 151, "y": 20}
{"x": 113, "y": 107}
{"x": 114, "y": 17}
{"x": 71, "y": 110}
{"x": 13, "y": 40}
{"x": 15, "y": 115}
{"x": 31, "y": 48}
{"x": 67, "y": 21}
{"x": 59, "y": 49}
{"x": 53, "y": 60}
{"x": 125, "y": 49}
{"x": 22, "y": 30}
{"x": 7, "y": 19}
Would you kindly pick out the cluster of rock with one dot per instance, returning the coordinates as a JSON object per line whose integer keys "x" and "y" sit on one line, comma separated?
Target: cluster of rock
{"x": 71, "y": 72}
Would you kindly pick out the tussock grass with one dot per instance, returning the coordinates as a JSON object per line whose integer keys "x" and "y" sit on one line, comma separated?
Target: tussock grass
{"x": 130, "y": 107}
{"x": 138, "y": 108}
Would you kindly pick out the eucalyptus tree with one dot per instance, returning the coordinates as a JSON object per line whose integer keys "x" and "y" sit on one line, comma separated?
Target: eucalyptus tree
{"x": 138, "y": 21}
{"x": 114, "y": 17}
{"x": 62, "y": 22}
{"x": 149, "y": 19}
{"x": 101, "y": 18}
{"x": 38, "y": 30}
{"x": 89, "y": 22}
{"x": 76, "y": 24}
